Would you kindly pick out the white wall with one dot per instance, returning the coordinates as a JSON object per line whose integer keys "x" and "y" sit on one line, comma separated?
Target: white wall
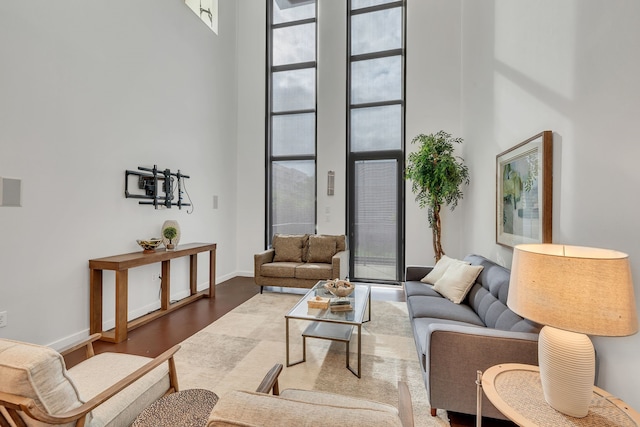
{"x": 432, "y": 104}
{"x": 250, "y": 174}
{"x": 571, "y": 67}
{"x": 89, "y": 90}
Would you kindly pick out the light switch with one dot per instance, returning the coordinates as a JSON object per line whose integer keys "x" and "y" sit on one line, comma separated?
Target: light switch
{"x": 10, "y": 192}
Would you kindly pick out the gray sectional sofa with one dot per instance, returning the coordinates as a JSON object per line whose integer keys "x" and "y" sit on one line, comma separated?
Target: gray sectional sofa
{"x": 454, "y": 341}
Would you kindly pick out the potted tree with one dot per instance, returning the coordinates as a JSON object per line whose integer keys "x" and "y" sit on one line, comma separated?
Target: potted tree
{"x": 436, "y": 175}
{"x": 170, "y": 233}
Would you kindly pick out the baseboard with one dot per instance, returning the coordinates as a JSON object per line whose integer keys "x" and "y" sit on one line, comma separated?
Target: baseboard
{"x": 141, "y": 311}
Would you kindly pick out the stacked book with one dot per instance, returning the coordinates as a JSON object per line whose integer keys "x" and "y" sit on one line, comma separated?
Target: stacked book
{"x": 340, "y": 305}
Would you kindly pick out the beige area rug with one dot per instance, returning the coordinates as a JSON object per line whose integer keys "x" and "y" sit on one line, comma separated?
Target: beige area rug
{"x": 237, "y": 350}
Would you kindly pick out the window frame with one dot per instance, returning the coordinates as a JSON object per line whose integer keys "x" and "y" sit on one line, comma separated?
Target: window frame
{"x": 270, "y": 158}
{"x": 397, "y": 155}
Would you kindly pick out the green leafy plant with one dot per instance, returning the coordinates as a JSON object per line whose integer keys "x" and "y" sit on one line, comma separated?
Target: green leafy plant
{"x": 436, "y": 176}
{"x": 170, "y": 233}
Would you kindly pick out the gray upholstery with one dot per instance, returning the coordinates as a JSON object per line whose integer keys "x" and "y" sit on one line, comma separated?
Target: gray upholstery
{"x": 454, "y": 341}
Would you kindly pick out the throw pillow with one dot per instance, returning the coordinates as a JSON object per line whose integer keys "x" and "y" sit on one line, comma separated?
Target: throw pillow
{"x": 321, "y": 249}
{"x": 440, "y": 268}
{"x": 456, "y": 282}
{"x": 288, "y": 247}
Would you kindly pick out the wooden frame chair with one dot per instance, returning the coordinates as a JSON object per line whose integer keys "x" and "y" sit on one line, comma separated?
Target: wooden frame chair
{"x": 233, "y": 408}
{"x": 17, "y": 362}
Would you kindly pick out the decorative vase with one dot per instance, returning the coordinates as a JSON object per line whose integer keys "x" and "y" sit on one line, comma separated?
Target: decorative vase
{"x": 174, "y": 242}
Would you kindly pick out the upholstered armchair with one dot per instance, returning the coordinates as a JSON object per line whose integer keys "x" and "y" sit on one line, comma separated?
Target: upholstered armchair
{"x": 293, "y": 407}
{"x": 108, "y": 389}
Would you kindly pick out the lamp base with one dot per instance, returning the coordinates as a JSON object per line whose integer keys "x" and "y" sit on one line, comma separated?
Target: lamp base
{"x": 567, "y": 370}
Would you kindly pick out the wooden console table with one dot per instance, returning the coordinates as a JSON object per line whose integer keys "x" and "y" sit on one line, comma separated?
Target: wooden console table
{"x": 121, "y": 265}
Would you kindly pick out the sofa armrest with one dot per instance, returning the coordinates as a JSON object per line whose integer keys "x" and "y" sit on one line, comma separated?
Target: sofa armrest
{"x": 340, "y": 265}
{"x": 262, "y": 258}
{"x": 416, "y": 272}
{"x": 457, "y": 352}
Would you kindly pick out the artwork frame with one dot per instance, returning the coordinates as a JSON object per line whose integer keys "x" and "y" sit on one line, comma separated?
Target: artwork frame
{"x": 207, "y": 11}
{"x": 524, "y": 207}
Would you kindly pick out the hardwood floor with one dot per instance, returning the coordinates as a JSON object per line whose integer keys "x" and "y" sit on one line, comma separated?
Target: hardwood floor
{"x": 157, "y": 336}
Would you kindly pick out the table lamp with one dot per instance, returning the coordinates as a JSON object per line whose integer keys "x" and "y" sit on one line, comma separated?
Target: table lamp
{"x": 572, "y": 291}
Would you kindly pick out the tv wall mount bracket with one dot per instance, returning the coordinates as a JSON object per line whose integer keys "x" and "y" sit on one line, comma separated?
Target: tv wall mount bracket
{"x": 158, "y": 187}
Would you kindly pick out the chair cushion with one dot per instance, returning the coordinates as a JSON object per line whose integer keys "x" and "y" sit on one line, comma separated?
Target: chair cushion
{"x": 249, "y": 409}
{"x": 39, "y": 373}
{"x": 316, "y": 271}
{"x": 279, "y": 269}
{"x": 100, "y": 372}
{"x": 321, "y": 249}
{"x": 341, "y": 241}
{"x": 288, "y": 247}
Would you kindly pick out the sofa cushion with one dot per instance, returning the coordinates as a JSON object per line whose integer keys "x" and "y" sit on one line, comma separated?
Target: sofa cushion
{"x": 288, "y": 247}
{"x": 418, "y": 288}
{"x": 457, "y": 280}
{"x": 440, "y": 268}
{"x": 317, "y": 271}
{"x": 321, "y": 249}
{"x": 99, "y": 372}
{"x": 39, "y": 373}
{"x": 341, "y": 241}
{"x": 422, "y": 334}
{"x": 279, "y": 269}
{"x": 441, "y": 308}
{"x": 249, "y": 409}
{"x": 497, "y": 315}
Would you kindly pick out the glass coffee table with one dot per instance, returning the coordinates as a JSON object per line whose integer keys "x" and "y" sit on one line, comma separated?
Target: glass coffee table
{"x": 332, "y": 325}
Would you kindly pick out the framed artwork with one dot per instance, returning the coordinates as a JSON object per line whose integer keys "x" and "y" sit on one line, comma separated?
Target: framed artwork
{"x": 207, "y": 10}
{"x": 524, "y": 192}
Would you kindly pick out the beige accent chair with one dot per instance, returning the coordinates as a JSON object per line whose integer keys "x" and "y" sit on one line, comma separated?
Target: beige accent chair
{"x": 301, "y": 260}
{"x": 108, "y": 389}
{"x": 305, "y": 408}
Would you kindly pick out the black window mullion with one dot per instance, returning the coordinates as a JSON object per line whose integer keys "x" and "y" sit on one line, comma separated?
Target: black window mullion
{"x": 377, "y": 55}
{"x": 291, "y": 67}
{"x": 376, "y": 8}
{"x": 377, "y": 104}
{"x": 291, "y": 112}
{"x": 293, "y": 23}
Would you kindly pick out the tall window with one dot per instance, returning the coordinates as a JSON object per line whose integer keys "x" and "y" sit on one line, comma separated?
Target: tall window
{"x": 376, "y": 139}
{"x": 291, "y": 127}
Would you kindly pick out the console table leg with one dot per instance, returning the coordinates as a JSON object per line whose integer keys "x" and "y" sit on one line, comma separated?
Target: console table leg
{"x": 95, "y": 298}
{"x": 165, "y": 293}
{"x": 212, "y": 273}
{"x": 193, "y": 274}
{"x": 122, "y": 306}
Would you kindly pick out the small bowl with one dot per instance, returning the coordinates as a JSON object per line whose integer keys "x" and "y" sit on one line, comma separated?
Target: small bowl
{"x": 149, "y": 245}
{"x": 340, "y": 288}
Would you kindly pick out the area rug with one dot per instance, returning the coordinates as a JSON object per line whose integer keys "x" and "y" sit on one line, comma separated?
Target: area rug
{"x": 237, "y": 350}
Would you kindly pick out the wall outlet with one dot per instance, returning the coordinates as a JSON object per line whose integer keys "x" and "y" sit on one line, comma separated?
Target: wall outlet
{"x": 3, "y": 319}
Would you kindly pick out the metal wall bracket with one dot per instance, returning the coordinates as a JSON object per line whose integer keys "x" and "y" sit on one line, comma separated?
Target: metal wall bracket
{"x": 158, "y": 187}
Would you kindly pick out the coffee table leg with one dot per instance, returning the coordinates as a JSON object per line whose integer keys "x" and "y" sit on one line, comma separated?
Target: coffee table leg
{"x": 359, "y": 348}
{"x": 287, "y": 332}
{"x": 304, "y": 347}
{"x": 357, "y": 374}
